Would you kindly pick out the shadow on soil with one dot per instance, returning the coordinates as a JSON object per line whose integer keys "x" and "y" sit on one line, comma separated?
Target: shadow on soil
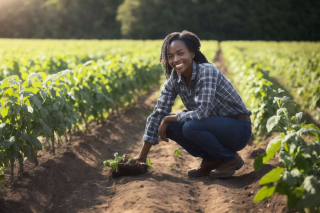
{"x": 51, "y": 185}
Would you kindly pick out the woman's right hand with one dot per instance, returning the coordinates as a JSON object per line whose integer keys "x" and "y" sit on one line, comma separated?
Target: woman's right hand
{"x": 140, "y": 159}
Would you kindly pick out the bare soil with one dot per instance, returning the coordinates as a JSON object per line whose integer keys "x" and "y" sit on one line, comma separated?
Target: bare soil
{"x": 74, "y": 180}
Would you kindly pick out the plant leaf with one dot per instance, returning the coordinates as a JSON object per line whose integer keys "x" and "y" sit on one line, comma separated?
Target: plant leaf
{"x": 272, "y": 148}
{"x": 272, "y": 122}
{"x": 264, "y": 193}
{"x": 272, "y": 176}
{"x": 46, "y": 129}
{"x": 298, "y": 117}
{"x": 311, "y": 198}
{"x": 35, "y": 100}
{"x": 314, "y": 131}
{"x": 258, "y": 162}
{"x": 177, "y": 152}
{"x": 44, "y": 112}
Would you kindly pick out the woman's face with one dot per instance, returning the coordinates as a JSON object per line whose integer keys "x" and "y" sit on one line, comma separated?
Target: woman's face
{"x": 180, "y": 58}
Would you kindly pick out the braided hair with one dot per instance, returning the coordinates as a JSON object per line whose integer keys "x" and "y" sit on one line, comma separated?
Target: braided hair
{"x": 192, "y": 42}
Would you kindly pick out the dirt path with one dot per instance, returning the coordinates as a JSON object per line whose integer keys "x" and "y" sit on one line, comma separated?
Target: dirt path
{"x": 75, "y": 180}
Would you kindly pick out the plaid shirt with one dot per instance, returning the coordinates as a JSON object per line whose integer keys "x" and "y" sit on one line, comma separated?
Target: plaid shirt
{"x": 209, "y": 93}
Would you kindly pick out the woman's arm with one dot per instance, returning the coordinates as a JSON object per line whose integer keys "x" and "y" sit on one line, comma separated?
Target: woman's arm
{"x": 142, "y": 157}
{"x": 163, "y": 108}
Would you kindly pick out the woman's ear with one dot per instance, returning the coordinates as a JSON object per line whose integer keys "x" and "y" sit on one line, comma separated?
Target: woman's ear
{"x": 193, "y": 54}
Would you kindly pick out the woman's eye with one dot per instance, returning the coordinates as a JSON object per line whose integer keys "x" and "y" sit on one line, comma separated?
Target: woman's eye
{"x": 170, "y": 56}
{"x": 180, "y": 53}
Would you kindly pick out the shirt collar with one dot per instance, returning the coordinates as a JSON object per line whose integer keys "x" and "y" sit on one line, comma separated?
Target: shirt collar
{"x": 194, "y": 72}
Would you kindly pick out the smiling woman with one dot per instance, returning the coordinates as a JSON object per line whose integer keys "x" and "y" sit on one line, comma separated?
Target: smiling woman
{"x": 216, "y": 123}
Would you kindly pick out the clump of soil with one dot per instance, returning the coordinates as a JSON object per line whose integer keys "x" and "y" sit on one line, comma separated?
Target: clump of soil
{"x": 126, "y": 165}
{"x": 129, "y": 169}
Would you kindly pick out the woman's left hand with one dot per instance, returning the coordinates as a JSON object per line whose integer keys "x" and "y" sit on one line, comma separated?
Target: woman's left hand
{"x": 164, "y": 124}
{"x": 162, "y": 130}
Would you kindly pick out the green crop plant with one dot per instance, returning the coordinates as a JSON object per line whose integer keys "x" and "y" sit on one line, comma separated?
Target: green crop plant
{"x": 295, "y": 66}
{"x": 297, "y": 176}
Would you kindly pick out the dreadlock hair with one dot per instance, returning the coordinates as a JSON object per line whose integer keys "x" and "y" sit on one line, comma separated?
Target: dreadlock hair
{"x": 192, "y": 42}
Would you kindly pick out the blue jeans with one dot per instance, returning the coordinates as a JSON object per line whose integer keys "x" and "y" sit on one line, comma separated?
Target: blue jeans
{"x": 213, "y": 138}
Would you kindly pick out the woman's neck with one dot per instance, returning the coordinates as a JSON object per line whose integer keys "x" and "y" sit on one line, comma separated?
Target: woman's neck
{"x": 187, "y": 75}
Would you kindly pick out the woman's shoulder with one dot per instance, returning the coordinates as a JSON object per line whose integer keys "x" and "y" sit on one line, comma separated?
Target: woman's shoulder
{"x": 173, "y": 77}
{"x": 208, "y": 68}
{"x": 172, "y": 80}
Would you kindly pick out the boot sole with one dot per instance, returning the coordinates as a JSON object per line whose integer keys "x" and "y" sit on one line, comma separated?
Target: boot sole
{"x": 241, "y": 163}
{"x": 198, "y": 175}
{"x": 201, "y": 174}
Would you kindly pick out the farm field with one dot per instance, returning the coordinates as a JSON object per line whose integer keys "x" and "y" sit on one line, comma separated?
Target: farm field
{"x": 293, "y": 66}
{"x": 74, "y": 179}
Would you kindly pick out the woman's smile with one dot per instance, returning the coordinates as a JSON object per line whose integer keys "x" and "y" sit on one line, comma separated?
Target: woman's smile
{"x": 179, "y": 65}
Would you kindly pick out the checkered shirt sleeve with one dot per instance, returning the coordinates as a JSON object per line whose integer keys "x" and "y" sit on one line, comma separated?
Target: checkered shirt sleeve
{"x": 162, "y": 109}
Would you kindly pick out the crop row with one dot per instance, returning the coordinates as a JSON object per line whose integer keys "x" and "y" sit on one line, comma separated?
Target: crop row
{"x": 297, "y": 176}
{"x": 294, "y": 65}
{"x": 49, "y": 103}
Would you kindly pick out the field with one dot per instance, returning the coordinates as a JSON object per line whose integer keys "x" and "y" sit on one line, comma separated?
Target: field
{"x": 58, "y": 127}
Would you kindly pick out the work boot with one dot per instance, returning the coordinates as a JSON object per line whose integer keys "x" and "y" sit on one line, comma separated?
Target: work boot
{"x": 204, "y": 168}
{"x": 227, "y": 168}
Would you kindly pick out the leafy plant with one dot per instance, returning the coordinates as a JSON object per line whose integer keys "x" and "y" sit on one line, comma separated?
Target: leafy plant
{"x": 297, "y": 178}
{"x": 114, "y": 163}
{"x": 126, "y": 158}
{"x": 177, "y": 152}
{"x": 149, "y": 163}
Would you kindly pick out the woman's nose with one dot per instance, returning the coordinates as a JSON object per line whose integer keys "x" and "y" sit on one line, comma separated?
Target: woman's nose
{"x": 175, "y": 58}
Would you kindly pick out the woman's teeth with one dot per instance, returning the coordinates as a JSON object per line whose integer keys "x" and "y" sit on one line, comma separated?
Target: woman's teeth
{"x": 179, "y": 65}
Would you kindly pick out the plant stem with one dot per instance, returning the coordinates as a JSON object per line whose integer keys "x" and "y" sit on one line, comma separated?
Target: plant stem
{"x": 52, "y": 139}
{"x": 70, "y": 134}
{"x": 35, "y": 157}
{"x": 20, "y": 163}
{"x": 65, "y": 135}
{"x": 11, "y": 167}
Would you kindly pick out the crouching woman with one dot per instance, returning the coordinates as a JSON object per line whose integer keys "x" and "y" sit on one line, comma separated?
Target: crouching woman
{"x": 216, "y": 123}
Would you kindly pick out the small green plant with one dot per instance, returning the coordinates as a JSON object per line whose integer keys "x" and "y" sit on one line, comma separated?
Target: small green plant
{"x": 114, "y": 163}
{"x": 177, "y": 152}
{"x": 297, "y": 179}
{"x": 149, "y": 163}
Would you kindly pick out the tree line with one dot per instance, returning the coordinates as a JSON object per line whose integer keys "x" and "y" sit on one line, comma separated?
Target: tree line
{"x": 154, "y": 19}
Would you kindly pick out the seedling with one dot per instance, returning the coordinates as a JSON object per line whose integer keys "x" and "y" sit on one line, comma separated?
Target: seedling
{"x": 177, "y": 152}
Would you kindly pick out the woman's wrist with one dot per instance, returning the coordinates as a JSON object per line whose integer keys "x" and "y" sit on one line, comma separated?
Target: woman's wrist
{"x": 170, "y": 118}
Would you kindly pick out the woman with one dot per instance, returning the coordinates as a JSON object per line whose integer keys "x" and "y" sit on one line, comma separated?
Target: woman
{"x": 216, "y": 123}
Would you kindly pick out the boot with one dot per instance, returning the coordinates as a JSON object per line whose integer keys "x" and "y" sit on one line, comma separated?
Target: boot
{"x": 204, "y": 168}
{"x": 227, "y": 168}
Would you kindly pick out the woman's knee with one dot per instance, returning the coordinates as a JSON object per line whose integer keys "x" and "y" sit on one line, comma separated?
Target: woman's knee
{"x": 190, "y": 128}
{"x": 173, "y": 128}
